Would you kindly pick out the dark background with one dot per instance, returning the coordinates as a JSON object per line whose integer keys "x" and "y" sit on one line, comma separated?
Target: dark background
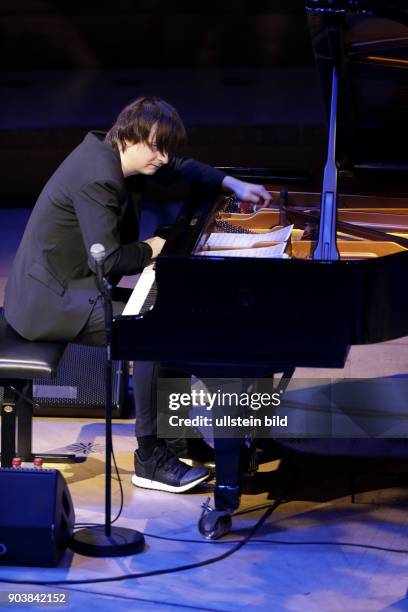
{"x": 242, "y": 75}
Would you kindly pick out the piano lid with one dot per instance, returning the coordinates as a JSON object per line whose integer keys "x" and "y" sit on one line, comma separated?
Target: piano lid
{"x": 368, "y": 42}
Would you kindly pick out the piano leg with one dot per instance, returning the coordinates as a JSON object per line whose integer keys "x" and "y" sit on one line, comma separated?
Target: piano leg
{"x": 228, "y": 452}
{"x": 227, "y": 491}
{"x": 216, "y": 522}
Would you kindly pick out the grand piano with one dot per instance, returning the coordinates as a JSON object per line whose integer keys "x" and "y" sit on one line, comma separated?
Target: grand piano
{"x": 342, "y": 279}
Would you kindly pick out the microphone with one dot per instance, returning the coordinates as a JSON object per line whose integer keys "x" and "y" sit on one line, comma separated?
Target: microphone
{"x": 98, "y": 254}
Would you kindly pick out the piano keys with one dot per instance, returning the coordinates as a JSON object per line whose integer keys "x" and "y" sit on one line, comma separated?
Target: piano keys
{"x": 143, "y": 296}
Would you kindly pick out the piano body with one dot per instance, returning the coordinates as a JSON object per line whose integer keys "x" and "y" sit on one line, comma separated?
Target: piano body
{"x": 343, "y": 281}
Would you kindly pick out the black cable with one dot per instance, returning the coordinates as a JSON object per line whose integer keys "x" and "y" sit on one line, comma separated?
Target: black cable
{"x": 255, "y": 541}
{"x": 294, "y": 543}
{"x": 160, "y": 572}
{"x": 120, "y": 488}
{"x": 252, "y": 509}
{"x": 81, "y": 525}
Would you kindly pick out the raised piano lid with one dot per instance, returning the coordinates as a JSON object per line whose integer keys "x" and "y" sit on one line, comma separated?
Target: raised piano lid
{"x": 368, "y": 41}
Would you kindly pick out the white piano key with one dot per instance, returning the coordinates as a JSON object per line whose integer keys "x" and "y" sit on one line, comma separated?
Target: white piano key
{"x": 140, "y": 292}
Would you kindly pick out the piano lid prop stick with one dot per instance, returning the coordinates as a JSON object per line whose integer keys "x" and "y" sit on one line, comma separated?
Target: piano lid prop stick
{"x": 326, "y": 248}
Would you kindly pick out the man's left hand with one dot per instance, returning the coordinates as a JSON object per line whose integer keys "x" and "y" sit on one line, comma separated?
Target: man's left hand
{"x": 248, "y": 192}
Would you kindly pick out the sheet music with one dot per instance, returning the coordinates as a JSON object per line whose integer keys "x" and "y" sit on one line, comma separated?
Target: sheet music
{"x": 276, "y": 250}
{"x": 139, "y": 293}
{"x": 243, "y": 241}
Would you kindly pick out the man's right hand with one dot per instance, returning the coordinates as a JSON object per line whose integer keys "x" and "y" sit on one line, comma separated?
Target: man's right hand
{"x": 156, "y": 244}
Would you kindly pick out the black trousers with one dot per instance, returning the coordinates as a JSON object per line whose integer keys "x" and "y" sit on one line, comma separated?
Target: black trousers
{"x": 145, "y": 374}
{"x": 93, "y": 332}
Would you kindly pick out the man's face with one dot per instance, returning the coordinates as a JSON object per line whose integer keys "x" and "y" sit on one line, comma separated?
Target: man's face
{"x": 143, "y": 157}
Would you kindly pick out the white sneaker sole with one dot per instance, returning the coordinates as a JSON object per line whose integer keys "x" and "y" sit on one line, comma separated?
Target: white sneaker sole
{"x": 145, "y": 483}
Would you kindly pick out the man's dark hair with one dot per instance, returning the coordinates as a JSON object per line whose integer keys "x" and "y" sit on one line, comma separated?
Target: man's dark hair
{"x": 136, "y": 120}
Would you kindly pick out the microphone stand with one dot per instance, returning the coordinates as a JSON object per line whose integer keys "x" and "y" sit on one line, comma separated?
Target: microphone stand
{"x": 107, "y": 540}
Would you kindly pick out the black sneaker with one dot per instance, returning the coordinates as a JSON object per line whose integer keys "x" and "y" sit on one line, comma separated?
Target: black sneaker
{"x": 164, "y": 472}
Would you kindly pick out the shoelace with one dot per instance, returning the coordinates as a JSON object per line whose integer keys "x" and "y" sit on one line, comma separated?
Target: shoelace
{"x": 167, "y": 457}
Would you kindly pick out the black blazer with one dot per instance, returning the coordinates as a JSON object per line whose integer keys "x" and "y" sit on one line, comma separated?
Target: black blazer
{"x": 51, "y": 290}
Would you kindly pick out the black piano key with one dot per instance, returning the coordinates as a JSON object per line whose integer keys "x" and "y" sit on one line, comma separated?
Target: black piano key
{"x": 150, "y": 299}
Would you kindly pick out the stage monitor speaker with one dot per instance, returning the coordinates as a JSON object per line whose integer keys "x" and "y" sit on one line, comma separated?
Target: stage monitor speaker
{"x": 36, "y": 517}
{"x": 78, "y": 389}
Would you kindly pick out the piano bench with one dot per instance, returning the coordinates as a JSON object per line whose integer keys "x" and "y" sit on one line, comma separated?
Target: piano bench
{"x": 20, "y": 362}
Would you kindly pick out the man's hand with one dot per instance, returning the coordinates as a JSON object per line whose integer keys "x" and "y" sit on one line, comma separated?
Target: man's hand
{"x": 156, "y": 244}
{"x": 248, "y": 192}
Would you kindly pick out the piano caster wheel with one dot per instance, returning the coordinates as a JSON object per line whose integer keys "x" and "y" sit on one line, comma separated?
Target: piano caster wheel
{"x": 213, "y": 524}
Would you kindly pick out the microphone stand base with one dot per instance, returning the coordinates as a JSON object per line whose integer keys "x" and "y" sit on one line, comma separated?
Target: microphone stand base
{"x": 93, "y": 542}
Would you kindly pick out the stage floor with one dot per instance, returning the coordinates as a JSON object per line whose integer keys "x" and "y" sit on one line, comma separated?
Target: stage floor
{"x": 304, "y": 558}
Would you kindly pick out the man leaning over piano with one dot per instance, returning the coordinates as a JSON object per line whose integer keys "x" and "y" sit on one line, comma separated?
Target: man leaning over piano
{"x": 51, "y": 293}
